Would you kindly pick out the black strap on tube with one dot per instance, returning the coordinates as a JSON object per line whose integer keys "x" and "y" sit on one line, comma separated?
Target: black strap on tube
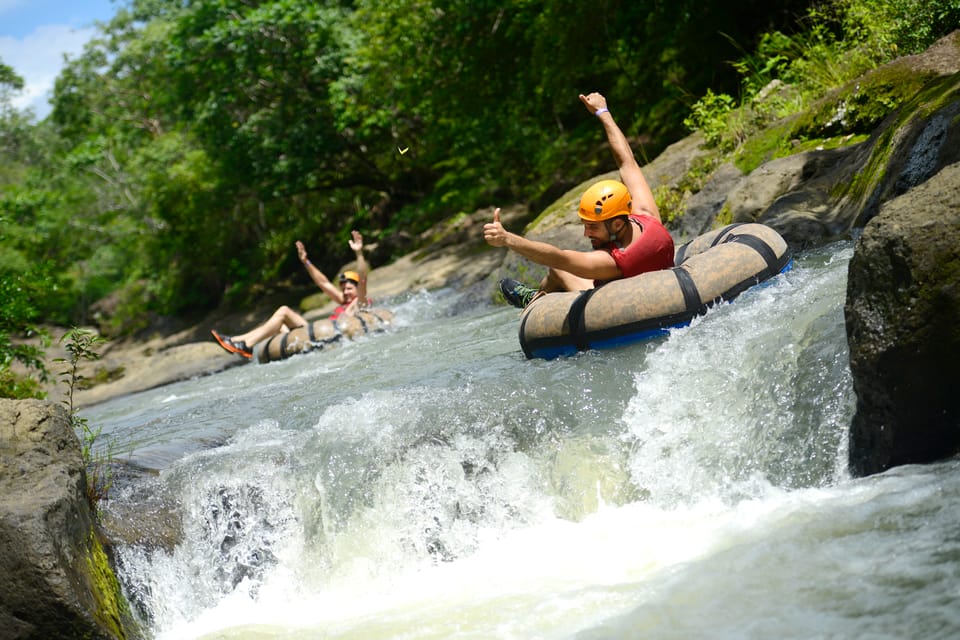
{"x": 681, "y": 256}
{"x": 265, "y": 351}
{"x": 363, "y": 323}
{"x": 727, "y": 229}
{"x": 766, "y": 252}
{"x": 576, "y": 319}
{"x": 691, "y": 295}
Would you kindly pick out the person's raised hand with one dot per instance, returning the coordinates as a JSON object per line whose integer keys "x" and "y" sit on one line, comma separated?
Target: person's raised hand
{"x": 593, "y": 102}
{"x": 356, "y": 243}
{"x": 493, "y": 232}
{"x": 301, "y": 251}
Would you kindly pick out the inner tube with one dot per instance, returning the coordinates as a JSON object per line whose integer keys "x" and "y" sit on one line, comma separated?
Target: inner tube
{"x": 323, "y": 333}
{"x": 714, "y": 267}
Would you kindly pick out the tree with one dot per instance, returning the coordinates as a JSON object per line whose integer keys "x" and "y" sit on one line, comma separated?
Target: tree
{"x": 196, "y": 140}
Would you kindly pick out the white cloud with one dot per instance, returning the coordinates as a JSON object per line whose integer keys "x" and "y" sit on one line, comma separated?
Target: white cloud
{"x": 38, "y": 58}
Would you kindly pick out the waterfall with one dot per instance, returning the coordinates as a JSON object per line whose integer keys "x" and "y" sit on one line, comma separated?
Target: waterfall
{"x": 432, "y": 483}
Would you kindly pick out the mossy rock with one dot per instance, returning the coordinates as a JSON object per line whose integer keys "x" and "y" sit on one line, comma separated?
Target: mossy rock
{"x": 111, "y": 610}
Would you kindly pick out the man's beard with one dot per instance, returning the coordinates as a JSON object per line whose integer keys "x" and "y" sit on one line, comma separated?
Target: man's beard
{"x": 597, "y": 244}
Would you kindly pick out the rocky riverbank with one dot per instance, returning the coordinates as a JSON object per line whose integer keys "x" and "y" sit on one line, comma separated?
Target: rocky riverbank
{"x": 455, "y": 256}
{"x": 58, "y": 581}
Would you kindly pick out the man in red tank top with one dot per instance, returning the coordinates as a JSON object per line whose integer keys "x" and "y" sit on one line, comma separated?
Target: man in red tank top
{"x": 620, "y": 219}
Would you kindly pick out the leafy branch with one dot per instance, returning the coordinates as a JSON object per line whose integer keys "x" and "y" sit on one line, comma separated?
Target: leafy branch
{"x": 81, "y": 346}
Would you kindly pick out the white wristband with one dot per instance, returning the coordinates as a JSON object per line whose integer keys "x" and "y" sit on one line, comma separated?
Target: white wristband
{"x": 601, "y": 110}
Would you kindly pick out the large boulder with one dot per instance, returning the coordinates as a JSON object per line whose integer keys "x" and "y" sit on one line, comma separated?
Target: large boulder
{"x": 909, "y": 107}
{"x": 57, "y": 581}
{"x": 903, "y": 329}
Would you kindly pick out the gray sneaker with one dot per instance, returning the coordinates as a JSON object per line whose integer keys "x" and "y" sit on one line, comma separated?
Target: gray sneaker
{"x": 516, "y": 293}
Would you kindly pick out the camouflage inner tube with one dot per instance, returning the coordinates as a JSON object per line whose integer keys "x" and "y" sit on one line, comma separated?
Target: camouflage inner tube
{"x": 714, "y": 267}
{"x": 322, "y": 334}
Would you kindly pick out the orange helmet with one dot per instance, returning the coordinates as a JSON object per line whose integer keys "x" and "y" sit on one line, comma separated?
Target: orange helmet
{"x": 350, "y": 275}
{"x": 604, "y": 200}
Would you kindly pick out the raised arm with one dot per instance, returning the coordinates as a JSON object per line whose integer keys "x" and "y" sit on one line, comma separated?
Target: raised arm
{"x": 356, "y": 243}
{"x": 318, "y": 276}
{"x": 597, "y": 265}
{"x": 630, "y": 172}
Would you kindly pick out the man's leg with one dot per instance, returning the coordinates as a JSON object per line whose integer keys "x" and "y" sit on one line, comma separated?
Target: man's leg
{"x": 557, "y": 280}
{"x": 521, "y": 296}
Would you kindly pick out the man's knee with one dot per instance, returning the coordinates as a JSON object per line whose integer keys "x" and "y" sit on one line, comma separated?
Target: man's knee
{"x": 558, "y": 280}
{"x": 550, "y": 280}
{"x": 554, "y": 281}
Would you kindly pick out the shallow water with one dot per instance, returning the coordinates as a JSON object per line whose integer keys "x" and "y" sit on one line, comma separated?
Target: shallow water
{"x": 430, "y": 482}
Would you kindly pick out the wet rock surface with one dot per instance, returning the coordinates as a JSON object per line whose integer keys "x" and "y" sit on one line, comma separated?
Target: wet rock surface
{"x": 903, "y": 327}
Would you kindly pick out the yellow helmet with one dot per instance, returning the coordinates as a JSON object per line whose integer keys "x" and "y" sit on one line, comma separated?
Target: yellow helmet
{"x": 350, "y": 275}
{"x": 604, "y": 200}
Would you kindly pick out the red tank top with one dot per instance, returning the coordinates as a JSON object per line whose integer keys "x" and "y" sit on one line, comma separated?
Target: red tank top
{"x": 652, "y": 251}
{"x": 339, "y": 310}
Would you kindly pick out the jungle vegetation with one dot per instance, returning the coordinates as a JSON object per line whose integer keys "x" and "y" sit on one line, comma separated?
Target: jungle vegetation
{"x": 194, "y": 140}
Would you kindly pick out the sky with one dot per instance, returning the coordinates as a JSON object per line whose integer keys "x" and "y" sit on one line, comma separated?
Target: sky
{"x": 35, "y": 35}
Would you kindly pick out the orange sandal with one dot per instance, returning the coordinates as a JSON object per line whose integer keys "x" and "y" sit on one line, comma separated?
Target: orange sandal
{"x": 240, "y": 348}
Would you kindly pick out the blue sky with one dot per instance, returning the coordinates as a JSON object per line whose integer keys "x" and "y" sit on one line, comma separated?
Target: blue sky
{"x": 34, "y": 36}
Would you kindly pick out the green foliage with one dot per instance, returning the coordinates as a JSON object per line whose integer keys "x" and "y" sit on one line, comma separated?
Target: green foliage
{"x": 484, "y": 93}
{"x": 723, "y": 218}
{"x": 671, "y": 202}
{"x": 903, "y": 26}
{"x": 18, "y": 317}
{"x": 14, "y": 128}
{"x": 709, "y": 116}
{"x": 192, "y": 142}
{"x": 255, "y": 79}
{"x": 672, "y": 198}
{"x": 9, "y": 80}
{"x": 81, "y": 346}
{"x": 840, "y": 41}
{"x": 19, "y": 386}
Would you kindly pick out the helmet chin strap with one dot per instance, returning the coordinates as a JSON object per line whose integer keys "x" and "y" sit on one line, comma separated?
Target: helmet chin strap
{"x": 613, "y": 234}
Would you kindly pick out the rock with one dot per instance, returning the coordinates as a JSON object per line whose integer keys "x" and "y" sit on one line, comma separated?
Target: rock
{"x": 671, "y": 165}
{"x": 909, "y": 150}
{"x": 903, "y": 328}
{"x": 704, "y": 206}
{"x": 749, "y": 199}
{"x": 173, "y": 364}
{"x": 57, "y": 580}
{"x": 806, "y": 213}
{"x": 817, "y": 196}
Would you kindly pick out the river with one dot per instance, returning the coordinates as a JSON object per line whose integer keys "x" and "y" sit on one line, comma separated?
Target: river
{"x": 432, "y": 483}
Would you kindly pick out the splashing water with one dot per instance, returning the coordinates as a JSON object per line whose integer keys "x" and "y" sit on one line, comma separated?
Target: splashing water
{"x": 432, "y": 483}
